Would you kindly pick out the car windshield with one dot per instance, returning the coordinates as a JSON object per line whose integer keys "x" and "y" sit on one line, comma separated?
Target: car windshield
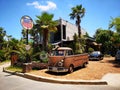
{"x": 58, "y": 53}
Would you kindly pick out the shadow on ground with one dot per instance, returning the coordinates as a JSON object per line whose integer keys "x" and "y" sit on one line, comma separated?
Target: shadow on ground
{"x": 57, "y": 73}
{"x": 114, "y": 62}
{"x": 63, "y": 73}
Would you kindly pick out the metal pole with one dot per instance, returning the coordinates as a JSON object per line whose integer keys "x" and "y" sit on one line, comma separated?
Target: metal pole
{"x": 27, "y": 44}
{"x": 27, "y": 36}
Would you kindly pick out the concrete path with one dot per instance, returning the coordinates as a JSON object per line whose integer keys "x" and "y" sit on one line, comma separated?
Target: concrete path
{"x": 113, "y": 79}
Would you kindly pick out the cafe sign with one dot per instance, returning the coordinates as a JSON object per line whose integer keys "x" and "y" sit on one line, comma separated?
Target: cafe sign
{"x": 26, "y": 22}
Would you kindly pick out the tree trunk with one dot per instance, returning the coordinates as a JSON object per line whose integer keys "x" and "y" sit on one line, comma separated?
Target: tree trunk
{"x": 79, "y": 27}
{"x": 45, "y": 39}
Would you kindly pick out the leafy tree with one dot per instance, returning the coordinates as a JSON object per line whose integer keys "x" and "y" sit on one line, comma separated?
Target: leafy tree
{"x": 116, "y": 39}
{"x": 115, "y": 23}
{"x": 104, "y": 37}
{"x": 78, "y": 12}
{"x": 2, "y": 35}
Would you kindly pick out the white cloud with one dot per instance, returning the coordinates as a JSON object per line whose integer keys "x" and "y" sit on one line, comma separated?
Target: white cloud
{"x": 50, "y": 5}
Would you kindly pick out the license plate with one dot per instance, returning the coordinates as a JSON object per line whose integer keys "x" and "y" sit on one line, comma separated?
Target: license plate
{"x": 54, "y": 68}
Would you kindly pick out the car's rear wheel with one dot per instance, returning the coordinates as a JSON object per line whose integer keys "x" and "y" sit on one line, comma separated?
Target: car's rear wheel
{"x": 84, "y": 65}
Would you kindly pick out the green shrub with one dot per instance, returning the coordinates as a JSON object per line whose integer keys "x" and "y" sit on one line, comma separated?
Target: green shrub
{"x": 90, "y": 50}
{"x": 44, "y": 56}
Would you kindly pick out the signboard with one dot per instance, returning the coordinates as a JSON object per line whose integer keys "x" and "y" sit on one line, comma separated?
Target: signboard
{"x": 26, "y": 22}
{"x": 27, "y": 47}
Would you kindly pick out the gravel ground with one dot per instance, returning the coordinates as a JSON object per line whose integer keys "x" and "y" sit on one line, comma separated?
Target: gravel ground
{"x": 95, "y": 70}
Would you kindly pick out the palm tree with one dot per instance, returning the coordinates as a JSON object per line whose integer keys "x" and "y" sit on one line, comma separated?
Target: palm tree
{"x": 47, "y": 25}
{"x": 78, "y": 12}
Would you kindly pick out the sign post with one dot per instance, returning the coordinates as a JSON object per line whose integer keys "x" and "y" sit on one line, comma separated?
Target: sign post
{"x": 27, "y": 24}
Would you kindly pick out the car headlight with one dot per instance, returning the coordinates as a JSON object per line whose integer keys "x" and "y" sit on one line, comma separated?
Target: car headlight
{"x": 60, "y": 63}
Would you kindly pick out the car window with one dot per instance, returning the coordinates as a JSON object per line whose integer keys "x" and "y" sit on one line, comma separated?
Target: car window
{"x": 58, "y": 53}
{"x": 69, "y": 52}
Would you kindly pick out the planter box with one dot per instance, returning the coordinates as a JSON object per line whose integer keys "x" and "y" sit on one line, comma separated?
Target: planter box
{"x": 39, "y": 65}
{"x": 27, "y": 67}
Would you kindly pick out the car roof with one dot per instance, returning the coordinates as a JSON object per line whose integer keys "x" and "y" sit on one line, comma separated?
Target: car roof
{"x": 62, "y": 48}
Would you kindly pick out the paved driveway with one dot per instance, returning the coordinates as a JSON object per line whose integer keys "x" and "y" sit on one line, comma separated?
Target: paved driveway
{"x": 13, "y": 82}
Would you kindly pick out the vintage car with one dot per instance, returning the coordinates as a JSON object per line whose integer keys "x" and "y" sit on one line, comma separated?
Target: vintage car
{"x": 96, "y": 55}
{"x": 117, "y": 56}
{"x": 62, "y": 59}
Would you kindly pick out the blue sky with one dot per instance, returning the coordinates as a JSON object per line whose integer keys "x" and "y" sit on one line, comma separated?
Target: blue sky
{"x": 98, "y": 13}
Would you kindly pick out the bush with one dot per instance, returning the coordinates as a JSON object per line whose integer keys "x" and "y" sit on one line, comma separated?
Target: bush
{"x": 90, "y": 50}
{"x": 2, "y": 58}
{"x": 44, "y": 56}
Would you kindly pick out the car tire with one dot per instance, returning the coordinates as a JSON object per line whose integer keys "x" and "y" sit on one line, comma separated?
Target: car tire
{"x": 84, "y": 65}
{"x": 71, "y": 69}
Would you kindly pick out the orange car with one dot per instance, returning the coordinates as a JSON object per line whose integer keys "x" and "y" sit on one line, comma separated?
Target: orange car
{"x": 62, "y": 59}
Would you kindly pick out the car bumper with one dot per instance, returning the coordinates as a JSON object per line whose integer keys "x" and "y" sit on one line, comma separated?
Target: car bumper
{"x": 94, "y": 58}
{"x": 57, "y": 69}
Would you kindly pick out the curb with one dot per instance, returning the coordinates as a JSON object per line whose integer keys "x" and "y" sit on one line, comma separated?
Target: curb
{"x": 53, "y": 80}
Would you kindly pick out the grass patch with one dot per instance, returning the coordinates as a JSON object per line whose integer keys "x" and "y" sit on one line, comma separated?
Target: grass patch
{"x": 107, "y": 55}
{"x": 14, "y": 68}
{"x": 6, "y": 61}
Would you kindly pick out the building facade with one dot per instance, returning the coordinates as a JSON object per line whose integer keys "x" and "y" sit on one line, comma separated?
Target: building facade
{"x": 65, "y": 32}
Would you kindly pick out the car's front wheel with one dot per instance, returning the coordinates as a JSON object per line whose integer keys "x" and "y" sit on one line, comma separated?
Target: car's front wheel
{"x": 71, "y": 69}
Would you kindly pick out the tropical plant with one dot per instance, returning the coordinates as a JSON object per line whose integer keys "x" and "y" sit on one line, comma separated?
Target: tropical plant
{"x": 23, "y": 53}
{"x": 45, "y": 24}
{"x": 78, "y": 12}
{"x": 77, "y": 47}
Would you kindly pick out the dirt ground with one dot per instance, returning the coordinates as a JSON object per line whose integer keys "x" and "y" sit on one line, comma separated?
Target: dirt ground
{"x": 95, "y": 70}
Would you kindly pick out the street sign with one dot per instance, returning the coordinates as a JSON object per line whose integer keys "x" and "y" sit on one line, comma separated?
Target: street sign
{"x": 26, "y": 22}
{"x": 27, "y": 47}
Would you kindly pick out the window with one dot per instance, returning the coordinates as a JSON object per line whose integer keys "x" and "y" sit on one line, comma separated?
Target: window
{"x": 58, "y": 53}
{"x": 69, "y": 52}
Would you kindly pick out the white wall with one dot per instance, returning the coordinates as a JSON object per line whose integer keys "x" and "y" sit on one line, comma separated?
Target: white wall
{"x": 71, "y": 29}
